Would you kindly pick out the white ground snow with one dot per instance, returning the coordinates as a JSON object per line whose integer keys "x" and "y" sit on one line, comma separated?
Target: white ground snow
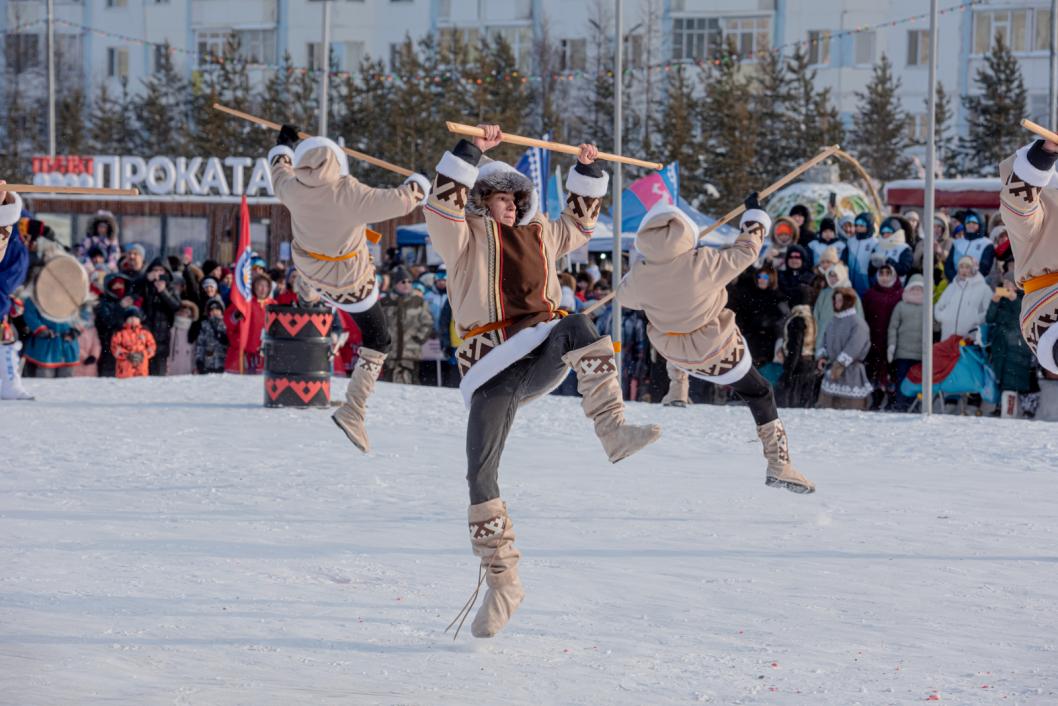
{"x": 173, "y": 542}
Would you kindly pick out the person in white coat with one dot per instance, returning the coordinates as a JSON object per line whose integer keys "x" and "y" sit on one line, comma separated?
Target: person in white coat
{"x": 964, "y": 303}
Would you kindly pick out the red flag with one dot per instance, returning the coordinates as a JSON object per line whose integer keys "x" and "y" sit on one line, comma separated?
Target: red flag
{"x": 242, "y": 292}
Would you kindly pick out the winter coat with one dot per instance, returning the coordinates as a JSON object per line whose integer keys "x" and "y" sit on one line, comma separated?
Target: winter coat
{"x": 943, "y": 244}
{"x": 682, "y": 288}
{"x": 90, "y": 349}
{"x": 182, "y": 347}
{"x": 823, "y": 311}
{"x": 894, "y": 250}
{"x": 109, "y": 318}
{"x": 1030, "y": 212}
{"x": 410, "y": 325}
{"x": 846, "y": 342}
{"x": 878, "y": 304}
{"x": 329, "y": 213}
{"x": 108, "y": 244}
{"x": 159, "y": 308}
{"x": 759, "y": 314}
{"x": 818, "y": 246}
{"x": 790, "y": 280}
{"x": 51, "y": 344}
{"x": 963, "y": 306}
{"x": 777, "y": 259}
{"x": 255, "y": 324}
{"x": 133, "y": 348}
{"x": 14, "y": 256}
{"x": 904, "y": 337}
{"x": 798, "y": 382}
{"x": 211, "y": 347}
{"x": 861, "y": 248}
{"x": 976, "y": 245}
{"x": 502, "y": 280}
{"x": 1012, "y": 359}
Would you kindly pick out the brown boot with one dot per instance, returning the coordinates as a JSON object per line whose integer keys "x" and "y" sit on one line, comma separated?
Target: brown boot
{"x": 492, "y": 538}
{"x": 350, "y": 416}
{"x": 596, "y": 369}
{"x": 781, "y": 472}
{"x": 679, "y": 394}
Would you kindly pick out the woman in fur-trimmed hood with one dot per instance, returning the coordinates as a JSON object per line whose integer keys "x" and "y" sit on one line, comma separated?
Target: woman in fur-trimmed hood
{"x": 329, "y": 213}
{"x": 518, "y": 343}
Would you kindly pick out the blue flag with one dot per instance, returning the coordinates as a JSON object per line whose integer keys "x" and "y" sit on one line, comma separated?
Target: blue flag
{"x": 536, "y": 164}
{"x": 643, "y": 193}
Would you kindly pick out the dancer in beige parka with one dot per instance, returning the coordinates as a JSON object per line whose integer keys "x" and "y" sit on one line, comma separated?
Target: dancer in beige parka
{"x": 681, "y": 287}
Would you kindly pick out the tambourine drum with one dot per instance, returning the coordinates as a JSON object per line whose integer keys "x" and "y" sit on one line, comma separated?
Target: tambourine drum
{"x": 61, "y": 287}
{"x": 297, "y": 353}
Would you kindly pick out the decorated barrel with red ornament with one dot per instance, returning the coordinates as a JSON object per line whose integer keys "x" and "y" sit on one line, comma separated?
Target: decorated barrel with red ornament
{"x": 297, "y": 356}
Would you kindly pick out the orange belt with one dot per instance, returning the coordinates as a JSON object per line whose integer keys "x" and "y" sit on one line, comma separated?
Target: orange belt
{"x": 499, "y": 325}
{"x": 372, "y": 235}
{"x": 1035, "y": 284}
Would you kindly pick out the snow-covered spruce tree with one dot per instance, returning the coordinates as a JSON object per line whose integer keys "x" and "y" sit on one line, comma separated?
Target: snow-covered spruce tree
{"x": 226, "y": 81}
{"x": 816, "y": 122}
{"x": 993, "y": 113}
{"x": 880, "y": 135}
{"x": 366, "y": 116}
{"x": 501, "y": 97}
{"x": 110, "y": 127}
{"x": 947, "y": 146}
{"x": 71, "y": 135}
{"x": 545, "y": 110}
{"x": 729, "y": 130}
{"x": 778, "y": 133}
{"x": 161, "y": 110}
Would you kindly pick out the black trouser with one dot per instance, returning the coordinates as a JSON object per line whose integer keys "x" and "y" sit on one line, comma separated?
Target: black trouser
{"x": 373, "y": 329}
{"x": 494, "y": 404}
{"x": 756, "y": 392}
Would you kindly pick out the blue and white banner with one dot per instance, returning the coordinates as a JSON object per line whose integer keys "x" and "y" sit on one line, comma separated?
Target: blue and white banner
{"x": 536, "y": 164}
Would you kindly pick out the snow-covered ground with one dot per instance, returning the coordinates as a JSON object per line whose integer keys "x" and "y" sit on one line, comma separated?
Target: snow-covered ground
{"x": 173, "y": 542}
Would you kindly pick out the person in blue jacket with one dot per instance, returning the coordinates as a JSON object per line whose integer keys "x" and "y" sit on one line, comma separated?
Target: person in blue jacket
{"x": 52, "y": 350}
{"x": 974, "y": 243}
{"x": 14, "y": 264}
{"x": 860, "y": 250}
{"x": 828, "y": 237}
{"x": 892, "y": 248}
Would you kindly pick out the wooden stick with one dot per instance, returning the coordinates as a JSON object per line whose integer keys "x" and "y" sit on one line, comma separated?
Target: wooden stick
{"x": 471, "y": 131}
{"x": 45, "y": 189}
{"x": 1040, "y": 130}
{"x": 768, "y": 191}
{"x": 375, "y": 161}
{"x": 772, "y": 188}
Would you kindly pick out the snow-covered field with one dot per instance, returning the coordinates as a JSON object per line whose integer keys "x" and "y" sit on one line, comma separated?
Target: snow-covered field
{"x": 173, "y": 542}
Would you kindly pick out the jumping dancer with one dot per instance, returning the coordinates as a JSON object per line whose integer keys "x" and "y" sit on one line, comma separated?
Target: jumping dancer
{"x": 329, "y": 211}
{"x": 517, "y": 343}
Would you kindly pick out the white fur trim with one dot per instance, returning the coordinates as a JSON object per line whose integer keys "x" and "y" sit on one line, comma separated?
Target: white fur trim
{"x": 1045, "y": 349}
{"x": 666, "y": 210}
{"x": 313, "y": 143}
{"x": 584, "y": 185}
{"x": 280, "y": 150}
{"x": 731, "y": 376}
{"x": 845, "y": 359}
{"x": 756, "y": 215}
{"x": 496, "y": 166}
{"x": 10, "y": 213}
{"x": 459, "y": 169}
{"x": 1024, "y": 169}
{"x": 503, "y": 356}
{"x": 360, "y": 306}
{"x": 423, "y": 183}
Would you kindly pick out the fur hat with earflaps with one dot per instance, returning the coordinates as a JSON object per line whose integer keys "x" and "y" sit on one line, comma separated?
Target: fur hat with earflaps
{"x": 498, "y": 177}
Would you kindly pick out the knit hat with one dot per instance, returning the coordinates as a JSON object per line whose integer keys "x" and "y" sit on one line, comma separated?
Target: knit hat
{"x": 799, "y": 209}
{"x": 209, "y": 281}
{"x": 132, "y": 311}
{"x": 136, "y": 247}
{"x": 827, "y": 224}
{"x": 214, "y": 303}
{"x": 399, "y": 274}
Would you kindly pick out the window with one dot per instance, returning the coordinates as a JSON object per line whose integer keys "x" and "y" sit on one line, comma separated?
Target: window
{"x": 695, "y": 37}
{"x": 520, "y": 40}
{"x": 182, "y": 232}
{"x": 634, "y": 53}
{"x": 1043, "y": 31}
{"x": 22, "y": 52}
{"x": 61, "y": 223}
{"x": 1012, "y": 25}
{"x": 574, "y": 55}
{"x": 210, "y": 45}
{"x": 750, "y": 33}
{"x": 117, "y": 3}
{"x": 1039, "y": 108}
{"x": 159, "y": 56}
{"x": 394, "y": 55}
{"x": 145, "y": 230}
{"x": 819, "y": 47}
{"x": 705, "y": 37}
{"x": 863, "y": 48}
{"x": 258, "y": 46}
{"x": 918, "y": 127}
{"x": 117, "y": 62}
{"x": 314, "y": 57}
{"x": 918, "y": 47}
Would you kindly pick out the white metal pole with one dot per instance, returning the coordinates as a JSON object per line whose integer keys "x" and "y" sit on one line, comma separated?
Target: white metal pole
{"x": 927, "y": 219}
{"x": 1053, "y": 112}
{"x": 325, "y": 62}
{"x": 618, "y": 186}
{"x": 51, "y": 78}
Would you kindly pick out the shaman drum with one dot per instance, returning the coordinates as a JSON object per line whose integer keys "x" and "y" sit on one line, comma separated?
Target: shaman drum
{"x": 61, "y": 287}
{"x": 297, "y": 351}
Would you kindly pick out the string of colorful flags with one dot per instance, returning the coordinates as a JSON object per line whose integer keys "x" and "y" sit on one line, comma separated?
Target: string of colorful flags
{"x": 518, "y": 76}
